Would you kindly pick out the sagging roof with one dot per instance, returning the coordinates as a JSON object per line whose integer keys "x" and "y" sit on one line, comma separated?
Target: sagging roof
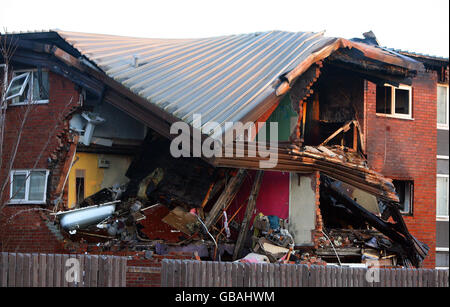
{"x": 225, "y": 79}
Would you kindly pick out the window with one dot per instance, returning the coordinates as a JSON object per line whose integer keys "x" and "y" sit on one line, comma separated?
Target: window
{"x": 442, "y": 258}
{"x": 80, "y": 174}
{"x": 405, "y": 191}
{"x": 28, "y": 186}
{"x": 394, "y": 101}
{"x": 442, "y": 106}
{"x": 442, "y": 197}
{"x": 28, "y": 86}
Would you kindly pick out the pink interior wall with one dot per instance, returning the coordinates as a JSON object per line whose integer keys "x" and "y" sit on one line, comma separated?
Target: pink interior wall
{"x": 273, "y": 197}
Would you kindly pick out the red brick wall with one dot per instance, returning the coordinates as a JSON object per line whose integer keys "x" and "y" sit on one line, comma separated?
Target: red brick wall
{"x": 406, "y": 149}
{"x": 151, "y": 278}
{"x": 27, "y": 231}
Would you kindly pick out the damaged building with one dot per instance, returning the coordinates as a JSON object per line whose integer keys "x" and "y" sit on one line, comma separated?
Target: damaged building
{"x": 354, "y": 181}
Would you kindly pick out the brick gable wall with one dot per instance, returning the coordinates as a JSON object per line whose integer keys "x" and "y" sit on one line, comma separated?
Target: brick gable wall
{"x": 406, "y": 150}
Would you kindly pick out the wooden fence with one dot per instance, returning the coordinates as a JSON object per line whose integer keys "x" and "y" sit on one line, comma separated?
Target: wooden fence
{"x": 56, "y": 270}
{"x": 177, "y": 273}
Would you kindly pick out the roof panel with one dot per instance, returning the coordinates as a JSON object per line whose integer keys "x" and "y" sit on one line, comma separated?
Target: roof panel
{"x": 221, "y": 78}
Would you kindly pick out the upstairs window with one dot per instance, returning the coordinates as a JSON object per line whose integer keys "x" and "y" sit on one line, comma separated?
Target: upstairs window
{"x": 28, "y": 186}
{"x": 405, "y": 191}
{"x": 442, "y": 106}
{"x": 394, "y": 101}
{"x": 28, "y": 86}
{"x": 442, "y": 197}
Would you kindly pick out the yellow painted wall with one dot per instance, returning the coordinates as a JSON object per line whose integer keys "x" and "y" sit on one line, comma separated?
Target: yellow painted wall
{"x": 97, "y": 178}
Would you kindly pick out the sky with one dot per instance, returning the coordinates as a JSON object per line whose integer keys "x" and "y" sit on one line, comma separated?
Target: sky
{"x": 413, "y": 25}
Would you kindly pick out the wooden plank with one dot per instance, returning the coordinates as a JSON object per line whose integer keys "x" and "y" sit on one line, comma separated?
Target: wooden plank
{"x": 292, "y": 273}
{"x": 102, "y": 267}
{"x": 94, "y": 271}
{"x": 57, "y": 270}
{"x": 64, "y": 269}
{"x": 271, "y": 275}
{"x": 217, "y": 268}
{"x": 228, "y": 194}
{"x": 252, "y": 271}
{"x": 4, "y": 266}
{"x": 19, "y": 270}
{"x": 446, "y": 280}
{"x": 348, "y": 277}
{"x": 183, "y": 274}
{"x": 245, "y": 224}
{"x": 82, "y": 259}
{"x": 229, "y": 270}
{"x": 27, "y": 270}
{"x": 12, "y": 270}
{"x": 306, "y": 276}
{"x": 116, "y": 271}
{"x": 35, "y": 270}
{"x": 204, "y": 274}
{"x": 123, "y": 271}
{"x": 338, "y": 277}
{"x": 42, "y": 270}
{"x": 420, "y": 278}
{"x": 197, "y": 274}
{"x": 87, "y": 271}
{"x": 277, "y": 275}
{"x": 50, "y": 270}
{"x": 190, "y": 273}
{"x": 210, "y": 266}
{"x": 409, "y": 276}
{"x": 258, "y": 275}
{"x": 312, "y": 276}
{"x": 164, "y": 265}
{"x": 109, "y": 271}
{"x": 283, "y": 281}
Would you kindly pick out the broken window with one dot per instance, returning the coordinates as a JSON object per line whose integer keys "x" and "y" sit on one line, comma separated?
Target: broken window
{"x": 405, "y": 191}
{"x": 28, "y": 86}
{"x": 442, "y": 106}
{"x": 28, "y": 186}
{"x": 442, "y": 196}
{"x": 394, "y": 101}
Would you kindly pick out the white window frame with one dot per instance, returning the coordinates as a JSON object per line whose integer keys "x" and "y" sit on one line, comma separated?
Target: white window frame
{"x": 399, "y": 115}
{"x": 30, "y": 88}
{"x": 442, "y": 217}
{"x": 25, "y": 75}
{"x": 27, "y": 173}
{"x": 443, "y": 126}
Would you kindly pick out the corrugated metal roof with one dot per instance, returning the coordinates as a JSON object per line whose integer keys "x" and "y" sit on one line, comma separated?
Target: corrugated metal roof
{"x": 221, "y": 78}
{"x": 417, "y": 54}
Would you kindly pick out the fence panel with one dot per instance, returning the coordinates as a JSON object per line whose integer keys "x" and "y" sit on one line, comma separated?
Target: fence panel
{"x": 225, "y": 274}
{"x": 54, "y": 270}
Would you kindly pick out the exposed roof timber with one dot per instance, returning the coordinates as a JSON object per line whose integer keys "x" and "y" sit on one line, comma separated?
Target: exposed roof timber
{"x": 342, "y": 166}
{"x": 371, "y": 75}
{"x": 380, "y": 57}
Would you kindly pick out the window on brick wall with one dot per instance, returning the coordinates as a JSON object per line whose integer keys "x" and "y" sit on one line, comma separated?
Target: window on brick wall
{"x": 28, "y": 86}
{"x": 28, "y": 186}
{"x": 442, "y": 258}
{"x": 442, "y": 106}
{"x": 405, "y": 191}
{"x": 442, "y": 196}
{"x": 394, "y": 101}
